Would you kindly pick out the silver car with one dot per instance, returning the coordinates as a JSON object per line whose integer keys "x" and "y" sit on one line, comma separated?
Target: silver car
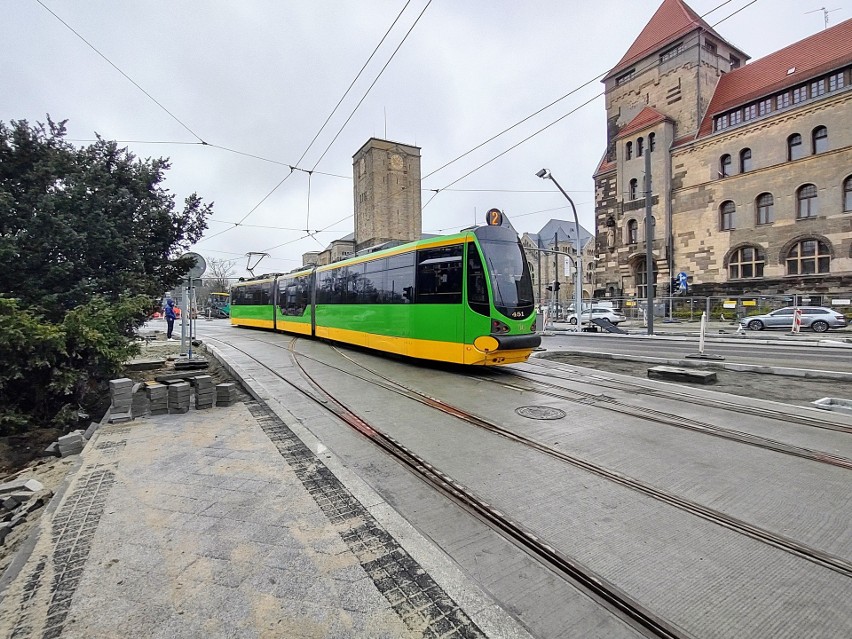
{"x": 817, "y": 318}
{"x": 598, "y": 313}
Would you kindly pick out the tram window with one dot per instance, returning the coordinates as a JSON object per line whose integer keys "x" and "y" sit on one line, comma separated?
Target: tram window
{"x": 325, "y": 286}
{"x": 399, "y": 280}
{"x": 439, "y": 275}
{"x": 263, "y": 295}
{"x": 348, "y": 277}
{"x": 293, "y": 296}
{"x": 477, "y": 289}
{"x": 372, "y": 284}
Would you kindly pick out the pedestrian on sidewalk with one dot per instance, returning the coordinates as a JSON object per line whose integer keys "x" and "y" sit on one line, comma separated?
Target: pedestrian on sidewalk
{"x": 169, "y": 312}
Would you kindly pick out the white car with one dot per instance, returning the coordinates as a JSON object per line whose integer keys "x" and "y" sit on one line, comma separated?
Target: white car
{"x": 598, "y": 313}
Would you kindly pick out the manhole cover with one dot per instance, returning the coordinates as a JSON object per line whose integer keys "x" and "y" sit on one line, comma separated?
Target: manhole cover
{"x": 540, "y": 412}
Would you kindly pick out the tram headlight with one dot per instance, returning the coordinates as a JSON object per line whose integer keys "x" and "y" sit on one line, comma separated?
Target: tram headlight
{"x": 498, "y": 327}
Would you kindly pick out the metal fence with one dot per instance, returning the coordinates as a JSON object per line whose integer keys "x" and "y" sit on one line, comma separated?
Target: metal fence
{"x": 690, "y": 308}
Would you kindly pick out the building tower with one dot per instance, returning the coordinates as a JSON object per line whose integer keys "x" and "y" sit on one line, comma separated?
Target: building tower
{"x": 387, "y": 193}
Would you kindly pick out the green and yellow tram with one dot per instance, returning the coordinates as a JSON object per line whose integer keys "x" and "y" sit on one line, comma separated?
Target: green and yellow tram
{"x": 464, "y": 298}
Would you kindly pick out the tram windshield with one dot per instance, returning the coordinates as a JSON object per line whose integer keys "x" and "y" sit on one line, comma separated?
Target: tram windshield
{"x": 511, "y": 283}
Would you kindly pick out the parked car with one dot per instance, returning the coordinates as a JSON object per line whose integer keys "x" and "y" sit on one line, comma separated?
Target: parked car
{"x": 597, "y": 313}
{"x": 817, "y": 318}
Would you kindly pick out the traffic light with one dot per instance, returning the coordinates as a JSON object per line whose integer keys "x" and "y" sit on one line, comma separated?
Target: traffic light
{"x": 550, "y": 287}
{"x": 556, "y": 286}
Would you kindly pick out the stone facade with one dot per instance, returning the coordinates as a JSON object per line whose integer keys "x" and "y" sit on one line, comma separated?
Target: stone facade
{"x": 710, "y": 170}
{"x": 387, "y": 193}
{"x": 551, "y": 255}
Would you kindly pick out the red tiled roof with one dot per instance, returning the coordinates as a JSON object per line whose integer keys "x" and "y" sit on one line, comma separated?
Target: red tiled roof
{"x": 820, "y": 53}
{"x": 604, "y": 167}
{"x": 672, "y": 20}
{"x": 646, "y": 117}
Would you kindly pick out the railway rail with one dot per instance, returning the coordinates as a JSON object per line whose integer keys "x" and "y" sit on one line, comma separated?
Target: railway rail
{"x": 607, "y": 593}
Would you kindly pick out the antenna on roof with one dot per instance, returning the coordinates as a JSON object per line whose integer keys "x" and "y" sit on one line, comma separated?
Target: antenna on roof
{"x": 825, "y": 13}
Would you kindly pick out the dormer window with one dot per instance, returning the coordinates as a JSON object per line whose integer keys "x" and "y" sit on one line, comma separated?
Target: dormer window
{"x": 624, "y": 78}
{"x": 735, "y": 62}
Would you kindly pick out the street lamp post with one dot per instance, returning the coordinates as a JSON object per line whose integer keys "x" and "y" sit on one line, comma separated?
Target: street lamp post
{"x": 544, "y": 174}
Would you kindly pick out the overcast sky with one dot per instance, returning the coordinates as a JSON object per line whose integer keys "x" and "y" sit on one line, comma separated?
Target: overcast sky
{"x": 260, "y": 77}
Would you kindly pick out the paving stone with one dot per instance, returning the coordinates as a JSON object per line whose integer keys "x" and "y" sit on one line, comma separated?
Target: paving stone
{"x": 21, "y": 484}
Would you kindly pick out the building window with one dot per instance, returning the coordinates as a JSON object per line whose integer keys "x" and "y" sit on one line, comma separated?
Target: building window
{"x": 736, "y": 117}
{"x": 764, "y": 106}
{"x": 808, "y": 202}
{"x": 750, "y": 112}
{"x": 634, "y": 189}
{"x": 632, "y": 232}
{"x": 800, "y": 94}
{"x": 641, "y": 275}
{"x": 624, "y": 78}
{"x": 765, "y": 206}
{"x": 794, "y": 147}
{"x": 652, "y": 140}
{"x": 808, "y": 257}
{"x": 628, "y": 150}
{"x": 735, "y": 62}
{"x": 671, "y": 53}
{"x": 726, "y": 215}
{"x": 640, "y": 147}
{"x": 745, "y": 160}
{"x": 725, "y": 166}
{"x": 710, "y": 46}
{"x": 818, "y": 88}
{"x": 847, "y": 194}
{"x": 721, "y": 122}
{"x": 746, "y": 263}
{"x": 836, "y": 81}
{"x": 820, "y": 139}
{"x": 783, "y": 100}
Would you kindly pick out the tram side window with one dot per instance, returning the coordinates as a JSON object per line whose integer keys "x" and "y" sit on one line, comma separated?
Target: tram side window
{"x": 371, "y": 286}
{"x": 293, "y": 296}
{"x": 237, "y": 295}
{"x": 325, "y": 285}
{"x": 439, "y": 275}
{"x": 399, "y": 280}
{"x": 477, "y": 289}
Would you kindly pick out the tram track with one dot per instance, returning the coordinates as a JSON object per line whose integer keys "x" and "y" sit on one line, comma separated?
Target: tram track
{"x": 606, "y": 592}
{"x": 612, "y": 404}
{"x": 813, "y": 555}
{"x": 755, "y": 411}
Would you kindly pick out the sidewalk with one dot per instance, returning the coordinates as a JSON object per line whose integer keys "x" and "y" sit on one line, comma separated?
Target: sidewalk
{"x": 223, "y": 523}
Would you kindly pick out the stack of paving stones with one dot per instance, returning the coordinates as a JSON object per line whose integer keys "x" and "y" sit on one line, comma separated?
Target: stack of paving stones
{"x": 204, "y": 391}
{"x": 226, "y": 394}
{"x": 19, "y": 498}
{"x": 71, "y": 444}
{"x": 179, "y": 397}
{"x": 158, "y": 398}
{"x": 121, "y": 398}
{"x": 140, "y": 406}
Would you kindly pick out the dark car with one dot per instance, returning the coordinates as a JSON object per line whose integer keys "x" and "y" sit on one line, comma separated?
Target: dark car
{"x": 817, "y": 318}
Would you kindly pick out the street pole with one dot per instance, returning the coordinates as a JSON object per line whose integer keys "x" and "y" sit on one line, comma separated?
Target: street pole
{"x": 546, "y": 175}
{"x": 649, "y": 238}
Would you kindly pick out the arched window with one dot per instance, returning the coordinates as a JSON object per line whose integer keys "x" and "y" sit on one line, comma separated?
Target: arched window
{"x": 726, "y": 215}
{"x": 847, "y": 194}
{"x": 640, "y": 147}
{"x": 794, "y": 147}
{"x": 765, "y": 204}
{"x": 532, "y": 271}
{"x": 745, "y": 160}
{"x": 652, "y": 141}
{"x": 634, "y": 189}
{"x": 746, "y": 263}
{"x": 808, "y": 257}
{"x": 590, "y": 272}
{"x": 807, "y": 202}
{"x": 628, "y": 151}
{"x": 632, "y": 232}
{"x": 820, "y": 139}
{"x": 725, "y": 165}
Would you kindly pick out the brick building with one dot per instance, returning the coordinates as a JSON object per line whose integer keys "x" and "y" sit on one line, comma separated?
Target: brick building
{"x": 751, "y": 164}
